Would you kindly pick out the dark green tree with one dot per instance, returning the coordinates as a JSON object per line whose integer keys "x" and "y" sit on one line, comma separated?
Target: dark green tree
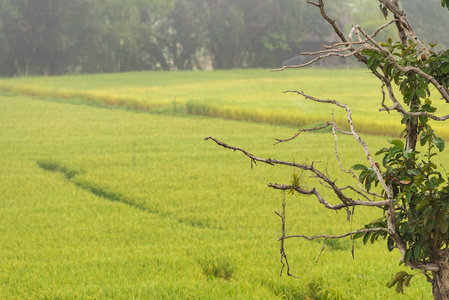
{"x": 226, "y": 33}
{"x": 60, "y": 36}
{"x": 185, "y": 35}
{"x": 35, "y": 35}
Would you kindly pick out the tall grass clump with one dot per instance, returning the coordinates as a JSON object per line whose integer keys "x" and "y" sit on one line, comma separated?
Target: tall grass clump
{"x": 214, "y": 266}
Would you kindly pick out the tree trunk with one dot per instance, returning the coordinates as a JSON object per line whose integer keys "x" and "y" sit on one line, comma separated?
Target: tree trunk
{"x": 440, "y": 282}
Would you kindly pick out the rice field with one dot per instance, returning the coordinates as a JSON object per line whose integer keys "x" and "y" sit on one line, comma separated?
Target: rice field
{"x": 253, "y": 95}
{"x": 105, "y": 203}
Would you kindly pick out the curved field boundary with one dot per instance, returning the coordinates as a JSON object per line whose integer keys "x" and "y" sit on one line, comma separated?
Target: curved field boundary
{"x": 89, "y": 96}
{"x": 286, "y": 117}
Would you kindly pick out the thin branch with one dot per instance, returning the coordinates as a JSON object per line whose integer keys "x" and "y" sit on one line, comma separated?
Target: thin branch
{"x": 253, "y": 158}
{"x": 314, "y": 191}
{"x": 311, "y": 129}
{"x": 400, "y": 109}
{"x": 327, "y": 236}
{"x": 427, "y": 266}
{"x": 348, "y": 45}
{"x": 336, "y": 149}
{"x": 282, "y": 250}
{"x": 352, "y": 53}
{"x": 303, "y": 130}
{"x": 363, "y": 192}
{"x": 383, "y": 99}
{"x": 322, "y": 249}
{"x": 320, "y": 5}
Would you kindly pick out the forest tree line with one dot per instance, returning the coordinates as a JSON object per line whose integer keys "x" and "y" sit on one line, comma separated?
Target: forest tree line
{"x": 50, "y": 37}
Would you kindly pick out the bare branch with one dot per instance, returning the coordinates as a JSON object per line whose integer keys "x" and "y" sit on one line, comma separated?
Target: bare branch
{"x": 363, "y": 192}
{"x": 353, "y": 53}
{"x": 327, "y": 236}
{"x": 338, "y": 192}
{"x": 311, "y": 129}
{"x": 253, "y": 158}
{"x": 348, "y": 45}
{"x": 282, "y": 250}
{"x": 347, "y": 203}
{"x": 313, "y": 3}
{"x": 303, "y": 130}
{"x": 336, "y": 149}
{"x": 427, "y": 266}
{"x": 398, "y": 107}
{"x": 402, "y": 19}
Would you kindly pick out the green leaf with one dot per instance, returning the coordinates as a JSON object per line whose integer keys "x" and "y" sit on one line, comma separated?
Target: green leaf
{"x": 428, "y": 108}
{"x": 407, "y": 256}
{"x": 441, "y": 216}
{"x": 417, "y": 252}
{"x": 430, "y": 225}
{"x": 369, "y": 64}
{"x": 444, "y": 68}
{"x": 439, "y": 143}
{"x": 431, "y": 185}
{"x": 376, "y": 64}
{"x": 373, "y": 62}
{"x": 408, "y": 154}
{"x": 358, "y": 235}
{"x": 423, "y": 119}
{"x": 421, "y": 93}
{"x": 396, "y": 78}
{"x": 383, "y": 150}
{"x": 359, "y": 167}
{"x": 374, "y": 237}
{"x": 390, "y": 244}
{"x": 443, "y": 226}
{"x": 407, "y": 280}
{"x": 368, "y": 185}
{"x": 394, "y": 150}
{"x": 408, "y": 95}
{"x": 366, "y": 237}
{"x": 397, "y": 143}
{"x": 422, "y": 204}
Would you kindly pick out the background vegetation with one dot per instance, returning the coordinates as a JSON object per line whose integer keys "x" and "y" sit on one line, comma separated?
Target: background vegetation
{"x": 91, "y": 36}
{"x": 103, "y": 202}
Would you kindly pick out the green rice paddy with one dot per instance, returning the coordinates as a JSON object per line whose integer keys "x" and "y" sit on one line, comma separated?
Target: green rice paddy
{"x": 105, "y": 203}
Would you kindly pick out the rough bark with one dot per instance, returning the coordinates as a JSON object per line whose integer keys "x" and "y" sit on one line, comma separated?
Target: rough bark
{"x": 440, "y": 281}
